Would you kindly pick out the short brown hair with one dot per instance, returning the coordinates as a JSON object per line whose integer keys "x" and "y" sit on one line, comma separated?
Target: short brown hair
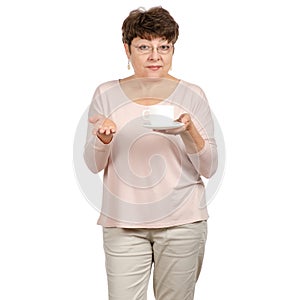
{"x": 148, "y": 24}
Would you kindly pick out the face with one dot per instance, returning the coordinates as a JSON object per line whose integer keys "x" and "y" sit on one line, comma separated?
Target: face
{"x": 150, "y": 58}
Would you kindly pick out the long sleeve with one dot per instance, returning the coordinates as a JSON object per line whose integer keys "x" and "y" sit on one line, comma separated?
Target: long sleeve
{"x": 96, "y": 153}
{"x": 205, "y": 161}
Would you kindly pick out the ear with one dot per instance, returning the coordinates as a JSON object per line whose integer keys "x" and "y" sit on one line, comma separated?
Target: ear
{"x": 127, "y": 50}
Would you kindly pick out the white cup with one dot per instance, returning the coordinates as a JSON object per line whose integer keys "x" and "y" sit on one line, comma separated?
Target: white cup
{"x": 159, "y": 114}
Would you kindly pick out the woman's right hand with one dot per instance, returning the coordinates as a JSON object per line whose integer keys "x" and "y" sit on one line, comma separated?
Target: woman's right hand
{"x": 104, "y": 128}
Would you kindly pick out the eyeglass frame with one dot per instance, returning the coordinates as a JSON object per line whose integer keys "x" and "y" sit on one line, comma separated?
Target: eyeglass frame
{"x": 152, "y": 49}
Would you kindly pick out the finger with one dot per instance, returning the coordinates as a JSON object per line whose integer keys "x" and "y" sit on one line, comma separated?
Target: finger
{"x": 91, "y": 120}
{"x": 180, "y": 118}
{"x": 157, "y": 130}
{"x": 105, "y": 130}
{"x": 102, "y": 130}
{"x": 112, "y": 129}
{"x": 164, "y": 131}
{"x": 185, "y": 118}
{"x": 95, "y": 130}
{"x": 95, "y": 118}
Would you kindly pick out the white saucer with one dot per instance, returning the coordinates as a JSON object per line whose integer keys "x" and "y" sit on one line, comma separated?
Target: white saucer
{"x": 164, "y": 126}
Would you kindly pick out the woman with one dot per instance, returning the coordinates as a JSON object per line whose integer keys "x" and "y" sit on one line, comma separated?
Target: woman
{"x": 153, "y": 209}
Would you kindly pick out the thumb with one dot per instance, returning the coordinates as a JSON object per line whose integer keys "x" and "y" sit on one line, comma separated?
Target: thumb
{"x": 95, "y": 118}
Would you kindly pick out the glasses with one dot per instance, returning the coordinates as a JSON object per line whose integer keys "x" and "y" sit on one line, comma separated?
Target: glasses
{"x": 147, "y": 49}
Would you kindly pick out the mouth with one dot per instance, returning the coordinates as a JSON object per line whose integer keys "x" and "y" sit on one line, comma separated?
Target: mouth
{"x": 154, "y": 68}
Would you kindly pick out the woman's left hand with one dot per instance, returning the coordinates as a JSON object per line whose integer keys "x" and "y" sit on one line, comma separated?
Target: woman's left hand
{"x": 185, "y": 119}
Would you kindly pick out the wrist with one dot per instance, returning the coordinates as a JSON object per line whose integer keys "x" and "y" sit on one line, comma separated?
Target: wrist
{"x": 192, "y": 139}
{"x": 191, "y": 127}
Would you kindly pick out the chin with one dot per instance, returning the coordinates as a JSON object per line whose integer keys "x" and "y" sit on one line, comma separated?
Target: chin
{"x": 155, "y": 75}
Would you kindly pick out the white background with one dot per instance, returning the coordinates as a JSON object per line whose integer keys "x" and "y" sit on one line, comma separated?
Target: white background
{"x": 245, "y": 56}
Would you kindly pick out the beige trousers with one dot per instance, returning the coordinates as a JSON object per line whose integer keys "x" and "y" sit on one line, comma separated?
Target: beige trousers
{"x": 177, "y": 253}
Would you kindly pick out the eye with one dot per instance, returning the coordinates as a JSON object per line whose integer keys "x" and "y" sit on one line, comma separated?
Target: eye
{"x": 143, "y": 48}
{"x": 164, "y": 48}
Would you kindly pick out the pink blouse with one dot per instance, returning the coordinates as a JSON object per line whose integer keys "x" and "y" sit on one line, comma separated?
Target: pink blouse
{"x": 149, "y": 179}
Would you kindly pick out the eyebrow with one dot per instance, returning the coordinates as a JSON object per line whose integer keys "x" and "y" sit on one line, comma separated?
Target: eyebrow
{"x": 161, "y": 40}
{"x": 148, "y": 41}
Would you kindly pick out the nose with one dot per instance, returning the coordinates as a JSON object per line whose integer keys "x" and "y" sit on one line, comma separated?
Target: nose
{"x": 154, "y": 55}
